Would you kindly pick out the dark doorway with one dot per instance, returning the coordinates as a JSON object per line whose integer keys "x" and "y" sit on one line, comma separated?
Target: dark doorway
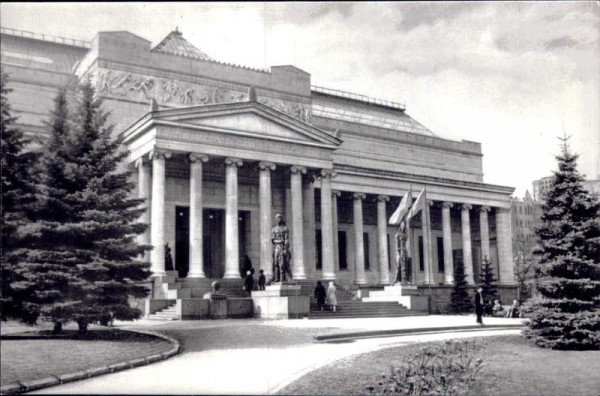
{"x": 342, "y": 243}
{"x": 182, "y": 240}
{"x": 214, "y": 242}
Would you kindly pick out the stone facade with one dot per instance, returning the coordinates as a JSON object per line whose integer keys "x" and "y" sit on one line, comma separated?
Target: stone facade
{"x": 217, "y": 150}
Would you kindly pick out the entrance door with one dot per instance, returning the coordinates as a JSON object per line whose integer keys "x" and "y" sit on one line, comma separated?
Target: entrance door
{"x": 182, "y": 240}
{"x": 214, "y": 242}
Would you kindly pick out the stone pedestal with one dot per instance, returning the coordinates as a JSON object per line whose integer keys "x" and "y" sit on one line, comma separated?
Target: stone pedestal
{"x": 407, "y": 295}
{"x": 280, "y": 301}
{"x": 217, "y": 308}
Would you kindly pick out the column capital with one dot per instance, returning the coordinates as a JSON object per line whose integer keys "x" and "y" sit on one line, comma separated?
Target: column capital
{"x": 229, "y": 161}
{"x": 295, "y": 169}
{"x": 141, "y": 162}
{"x": 194, "y": 157}
{"x": 484, "y": 209}
{"x": 263, "y": 165}
{"x": 447, "y": 204}
{"x": 360, "y": 196}
{"x": 327, "y": 173}
{"x": 158, "y": 154}
{"x": 466, "y": 206}
{"x": 384, "y": 198}
{"x": 336, "y": 193}
{"x": 431, "y": 202}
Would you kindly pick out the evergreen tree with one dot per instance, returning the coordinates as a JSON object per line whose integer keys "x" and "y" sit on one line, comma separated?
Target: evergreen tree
{"x": 488, "y": 282}
{"x": 460, "y": 301}
{"x": 81, "y": 261}
{"x": 16, "y": 191}
{"x": 566, "y": 315}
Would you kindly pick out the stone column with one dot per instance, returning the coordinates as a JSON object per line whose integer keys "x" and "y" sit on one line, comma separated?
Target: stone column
{"x": 382, "y": 252}
{"x": 232, "y": 243}
{"x": 426, "y": 230}
{"x": 298, "y": 271}
{"x": 144, "y": 189}
{"x": 447, "y": 235}
{"x": 266, "y": 217}
{"x": 334, "y": 220}
{"x": 484, "y": 231}
{"x": 327, "y": 226}
{"x": 308, "y": 201}
{"x": 196, "y": 256}
{"x": 466, "y": 242}
{"x": 504, "y": 242}
{"x": 359, "y": 247}
{"x": 157, "y": 216}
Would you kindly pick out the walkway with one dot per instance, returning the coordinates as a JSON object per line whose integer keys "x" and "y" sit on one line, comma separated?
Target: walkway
{"x": 261, "y": 357}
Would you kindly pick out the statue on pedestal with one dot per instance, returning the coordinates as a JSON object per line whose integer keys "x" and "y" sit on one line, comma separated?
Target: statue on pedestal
{"x": 402, "y": 259}
{"x": 281, "y": 251}
{"x": 168, "y": 259}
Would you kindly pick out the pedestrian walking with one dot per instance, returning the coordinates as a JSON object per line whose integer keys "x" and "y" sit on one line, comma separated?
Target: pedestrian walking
{"x": 479, "y": 306}
{"x": 320, "y": 294}
{"x": 331, "y": 296}
{"x": 249, "y": 283}
{"x": 262, "y": 280}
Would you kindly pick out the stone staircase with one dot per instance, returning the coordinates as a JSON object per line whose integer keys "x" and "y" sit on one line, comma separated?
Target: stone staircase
{"x": 349, "y": 307}
{"x": 169, "y": 313}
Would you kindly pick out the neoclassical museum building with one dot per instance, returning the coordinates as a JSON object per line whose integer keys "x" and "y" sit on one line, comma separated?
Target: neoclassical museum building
{"x": 219, "y": 149}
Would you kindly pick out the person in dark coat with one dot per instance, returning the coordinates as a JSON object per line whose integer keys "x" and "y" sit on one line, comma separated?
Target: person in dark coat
{"x": 168, "y": 259}
{"x": 249, "y": 283}
{"x": 479, "y": 305}
{"x": 320, "y": 294}
{"x": 262, "y": 280}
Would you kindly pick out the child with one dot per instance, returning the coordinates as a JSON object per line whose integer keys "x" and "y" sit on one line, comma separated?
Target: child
{"x": 261, "y": 280}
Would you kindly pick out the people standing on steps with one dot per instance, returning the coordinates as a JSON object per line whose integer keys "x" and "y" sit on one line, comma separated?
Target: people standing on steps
{"x": 320, "y": 294}
{"x": 331, "y": 296}
{"x": 249, "y": 283}
{"x": 479, "y": 305}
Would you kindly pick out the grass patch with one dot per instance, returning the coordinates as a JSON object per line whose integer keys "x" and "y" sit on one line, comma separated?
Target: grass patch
{"x": 30, "y": 359}
{"x": 512, "y": 366}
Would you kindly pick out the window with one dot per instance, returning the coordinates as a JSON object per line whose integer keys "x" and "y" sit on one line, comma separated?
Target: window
{"x": 366, "y": 250}
{"x": 318, "y": 262}
{"x": 440, "y": 254}
{"x": 421, "y": 258}
{"x": 342, "y": 243}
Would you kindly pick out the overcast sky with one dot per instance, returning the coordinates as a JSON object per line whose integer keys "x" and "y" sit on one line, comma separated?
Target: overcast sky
{"x": 508, "y": 75}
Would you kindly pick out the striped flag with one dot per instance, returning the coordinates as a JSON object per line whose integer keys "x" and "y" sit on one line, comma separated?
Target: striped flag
{"x": 403, "y": 208}
{"x": 418, "y": 205}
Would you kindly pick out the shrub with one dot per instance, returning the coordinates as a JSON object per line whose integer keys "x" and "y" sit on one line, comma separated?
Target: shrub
{"x": 447, "y": 368}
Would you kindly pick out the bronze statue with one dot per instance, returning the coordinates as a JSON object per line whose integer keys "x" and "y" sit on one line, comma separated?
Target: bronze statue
{"x": 281, "y": 251}
{"x": 402, "y": 258}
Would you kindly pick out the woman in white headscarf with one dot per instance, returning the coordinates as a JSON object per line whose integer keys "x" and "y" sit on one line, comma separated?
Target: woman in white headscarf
{"x": 331, "y": 297}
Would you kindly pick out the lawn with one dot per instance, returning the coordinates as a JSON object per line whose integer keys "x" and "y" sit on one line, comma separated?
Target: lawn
{"x": 26, "y": 360}
{"x": 513, "y": 366}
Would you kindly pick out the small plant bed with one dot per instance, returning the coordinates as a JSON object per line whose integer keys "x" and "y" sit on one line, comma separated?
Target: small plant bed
{"x": 32, "y": 355}
{"x": 510, "y": 365}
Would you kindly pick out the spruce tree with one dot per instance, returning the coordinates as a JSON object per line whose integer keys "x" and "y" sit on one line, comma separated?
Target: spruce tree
{"x": 566, "y": 315}
{"x": 460, "y": 301}
{"x": 82, "y": 262}
{"x": 488, "y": 282}
{"x": 16, "y": 192}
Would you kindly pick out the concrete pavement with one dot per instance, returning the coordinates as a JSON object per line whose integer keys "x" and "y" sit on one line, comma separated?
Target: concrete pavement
{"x": 261, "y": 357}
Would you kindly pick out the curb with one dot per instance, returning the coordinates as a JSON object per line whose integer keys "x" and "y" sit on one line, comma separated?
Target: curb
{"x": 423, "y": 330}
{"x": 53, "y": 380}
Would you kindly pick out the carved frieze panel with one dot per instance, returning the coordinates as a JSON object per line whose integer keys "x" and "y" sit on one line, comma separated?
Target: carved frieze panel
{"x": 177, "y": 93}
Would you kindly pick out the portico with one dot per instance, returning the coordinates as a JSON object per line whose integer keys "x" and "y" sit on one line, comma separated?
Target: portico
{"x": 246, "y": 157}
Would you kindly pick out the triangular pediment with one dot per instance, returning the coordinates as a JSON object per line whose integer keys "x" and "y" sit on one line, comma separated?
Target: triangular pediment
{"x": 247, "y": 119}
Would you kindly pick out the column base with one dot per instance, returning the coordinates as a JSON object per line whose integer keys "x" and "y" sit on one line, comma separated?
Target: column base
{"x": 329, "y": 277}
{"x": 360, "y": 283}
{"x": 232, "y": 276}
{"x": 196, "y": 275}
{"x": 158, "y": 273}
{"x": 383, "y": 283}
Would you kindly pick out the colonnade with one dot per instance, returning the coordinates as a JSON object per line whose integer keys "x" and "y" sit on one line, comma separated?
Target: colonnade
{"x": 302, "y": 224}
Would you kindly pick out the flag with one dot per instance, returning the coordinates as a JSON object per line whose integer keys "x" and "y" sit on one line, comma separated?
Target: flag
{"x": 418, "y": 205}
{"x": 403, "y": 208}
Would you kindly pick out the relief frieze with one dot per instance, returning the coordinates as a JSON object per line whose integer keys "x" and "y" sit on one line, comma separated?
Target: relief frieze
{"x": 170, "y": 92}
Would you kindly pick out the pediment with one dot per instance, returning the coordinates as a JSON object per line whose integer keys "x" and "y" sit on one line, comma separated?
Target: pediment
{"x": 247, "y": 119}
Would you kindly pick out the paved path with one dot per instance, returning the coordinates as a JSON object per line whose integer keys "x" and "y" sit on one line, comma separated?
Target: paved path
{"x": 259, "y": 357}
